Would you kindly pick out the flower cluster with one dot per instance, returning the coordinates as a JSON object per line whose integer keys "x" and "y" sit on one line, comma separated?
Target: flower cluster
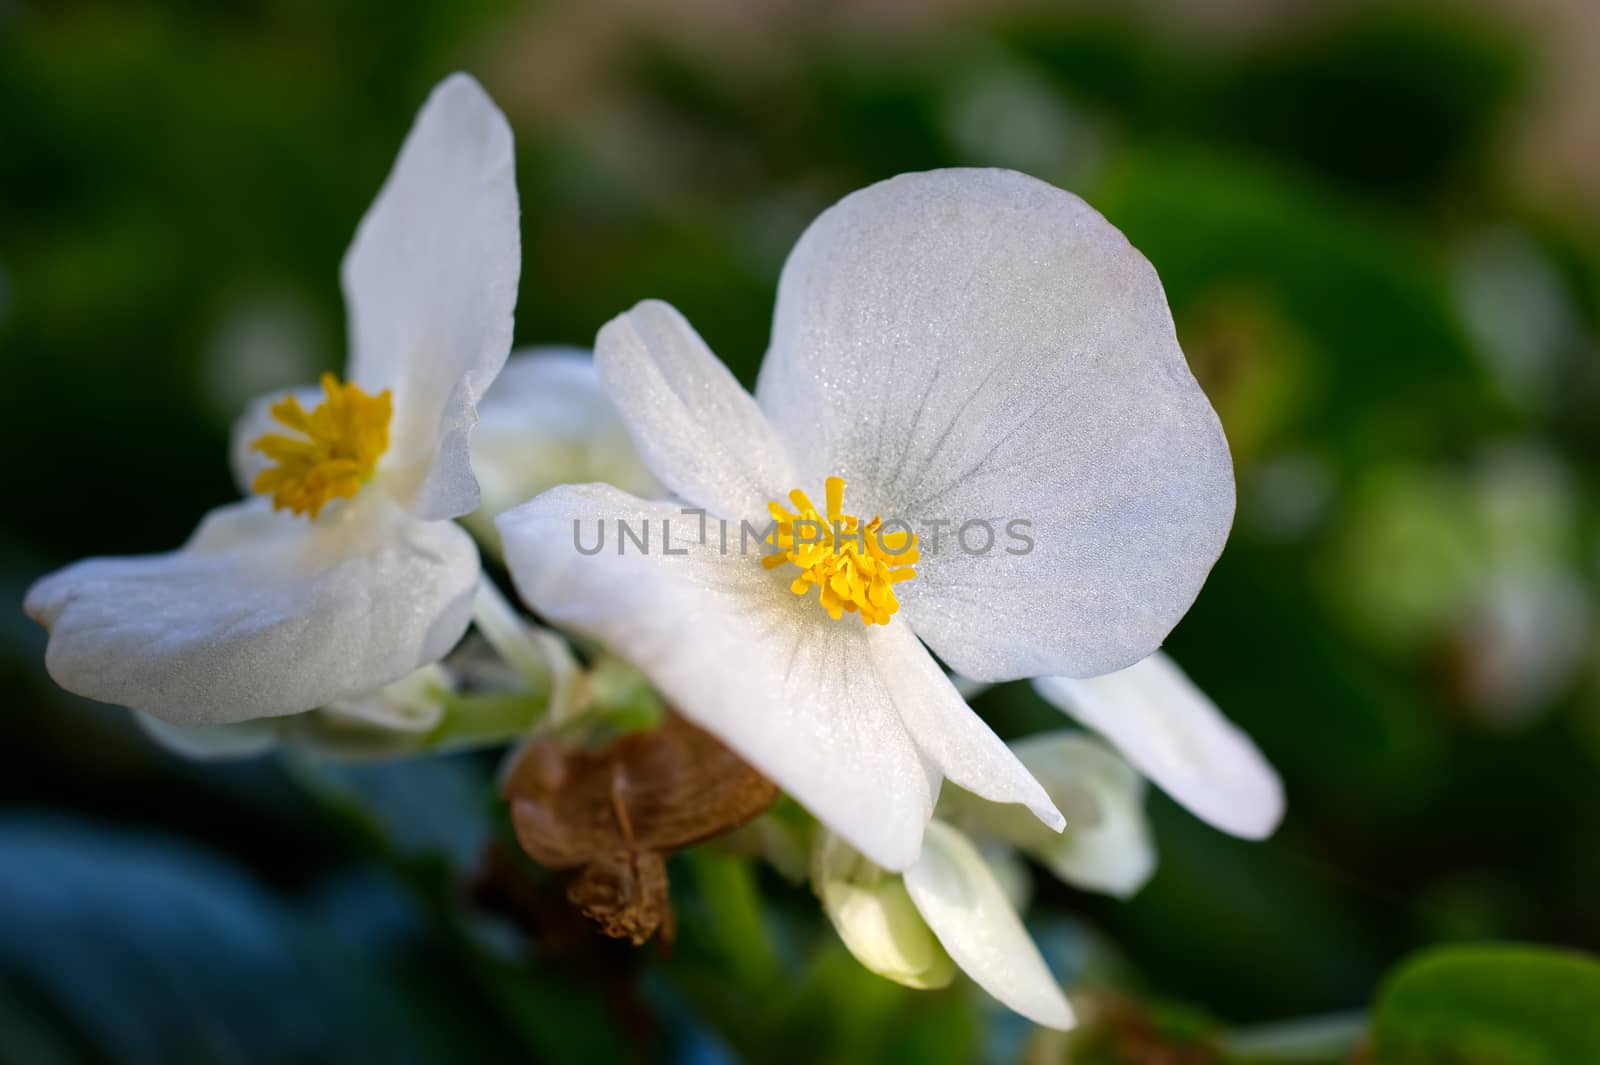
{"x": 956, "y": 347}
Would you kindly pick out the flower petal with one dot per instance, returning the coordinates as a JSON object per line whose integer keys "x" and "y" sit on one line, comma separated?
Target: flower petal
{"x": 393, "y": 720}
{"x": 546, "y": 421}
{"x": 1176, "y": 736}
{"x": 260, "y": 614}
{"x": 204, "y": 743}
{"x": 968, "y": 911}
{"x": 799, "y": 697}
{"x": 430, "y": 282}
{"x": 975, "y": 345}
{"x": 414, "y": 704}
{"x": 699, "y": 431}
{"x": 950, "y": 735}
{"x": 1107, "y": 846}
{"x": 875, "y": 917}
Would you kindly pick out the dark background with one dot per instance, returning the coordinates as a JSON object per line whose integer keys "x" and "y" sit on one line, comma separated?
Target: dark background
{"x": 1377, "y": 228}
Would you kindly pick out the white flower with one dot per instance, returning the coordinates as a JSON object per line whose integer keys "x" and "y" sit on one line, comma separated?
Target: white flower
{"x": 1173, "y": 734}
{"x": 546, "y": 421}
{"x": 947, "y": 910}
{"x": 350, "y": 577}
{"x": 962, "y": 345}
{"x": 1107, "y": 845}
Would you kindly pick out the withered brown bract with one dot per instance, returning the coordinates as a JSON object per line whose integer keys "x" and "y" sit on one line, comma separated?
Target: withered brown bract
{"x": 615, "y": 813}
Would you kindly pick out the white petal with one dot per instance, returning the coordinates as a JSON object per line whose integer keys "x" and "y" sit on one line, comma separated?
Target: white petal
{"x": 797, "y": 695}
{"x": 949, "y": 734}
{"x": 546, "y": 421}
{"x": 396, "y": 719}
{"x": 1176, "y": 736}
{"x": 975, "y": 345}
{"x": 414, "y": 704}
{"x": 240, "y": 739}
{"x": 699, "y": 431}
{"x": 1112, "y": 850}
{"x": 430, "y": 283}
{"x": 257, "y": 421}
{"x": 875, "y": 917}
{"x": 260, "y": 614}
{"x": 968, "y": 910}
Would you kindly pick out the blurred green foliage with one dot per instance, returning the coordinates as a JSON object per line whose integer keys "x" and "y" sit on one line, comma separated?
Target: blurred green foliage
{"x": 1489, "y": 1006}
{"x": 177, "y": 184}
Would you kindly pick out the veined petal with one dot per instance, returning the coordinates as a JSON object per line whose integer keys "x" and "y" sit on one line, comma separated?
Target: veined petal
{"x": 950, "y": 735}
{"x": 430, "y": 283}
{"x": 800, "y": 698}
{"x": 546, "y": 421}
{"x": 1107, "y": 846}
{"x": 699, "y": 431}
{"x": 978, "y": 346}
{"x": 968, "y": 911}
{"x": 1173, "y": 734}
{"x": 260, "y": 614}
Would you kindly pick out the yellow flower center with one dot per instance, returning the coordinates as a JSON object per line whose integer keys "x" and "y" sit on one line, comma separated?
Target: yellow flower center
{"x": 343, "y": 438}
{"x": 855, "y": 564}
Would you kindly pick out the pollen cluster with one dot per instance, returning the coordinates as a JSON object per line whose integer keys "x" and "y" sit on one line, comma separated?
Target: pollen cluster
{"x": 854, "y": 563}
{"x": 340, "y": 442}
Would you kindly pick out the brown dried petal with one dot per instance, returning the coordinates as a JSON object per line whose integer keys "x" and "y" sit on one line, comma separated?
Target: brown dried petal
{"x": 616, "y": 813}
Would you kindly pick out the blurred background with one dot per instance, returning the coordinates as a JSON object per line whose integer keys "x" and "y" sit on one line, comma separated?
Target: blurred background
{"x": 1379, "y": 228}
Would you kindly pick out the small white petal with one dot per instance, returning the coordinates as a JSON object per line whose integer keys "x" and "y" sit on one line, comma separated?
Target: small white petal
{"x": 699, "y": 431}
{"x": 413, "y": 704}
{"x": 546, "y": 421}
{"x": 875, "y": 917}
{"x": 257, "y": 421}
{"x": 1110, "y": 851}
{"x": 968, "y": 910}
{"x": 949, "y": 734}
{"x": 975, "y": 345}
{"x": 430, "y": 283}
{"x": 203, "y": 743}
{"x": 260, "y": 614}
{"x": 797, "y": 695}
{"x": 1176, "y": 736}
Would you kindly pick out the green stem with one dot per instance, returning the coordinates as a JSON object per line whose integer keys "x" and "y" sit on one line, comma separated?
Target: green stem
{"x": 732, "y": 900}
{"x": 471, "y": 720}
{"x": 1308, "y": 1040}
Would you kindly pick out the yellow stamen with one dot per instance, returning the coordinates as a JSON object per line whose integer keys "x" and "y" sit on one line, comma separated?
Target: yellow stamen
{"x": 341, "y": 441}
{"x": 853, "y": 563}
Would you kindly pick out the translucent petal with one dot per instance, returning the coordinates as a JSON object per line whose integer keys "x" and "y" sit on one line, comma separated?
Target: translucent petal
{"x": 430, "y": 283}
{"x": 978, "y": 346}
{"x": 968, "y": 910}
{"x": 699, "y": 431}
{"x": 1176, "y": 736}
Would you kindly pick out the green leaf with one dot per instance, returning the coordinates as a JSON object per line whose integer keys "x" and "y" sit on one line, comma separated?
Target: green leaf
{"x": 1490, "y": 1005}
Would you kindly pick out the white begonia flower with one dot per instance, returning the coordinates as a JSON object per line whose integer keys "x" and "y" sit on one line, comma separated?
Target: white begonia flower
{"x": 350, "y": 577}
{"x": 1107, "y": 846}
{"x": 547, "y": 421}
{"x": 1175, "y": 735}
{"x": 961, "y": 346}
{"x": 947, "y": 910}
